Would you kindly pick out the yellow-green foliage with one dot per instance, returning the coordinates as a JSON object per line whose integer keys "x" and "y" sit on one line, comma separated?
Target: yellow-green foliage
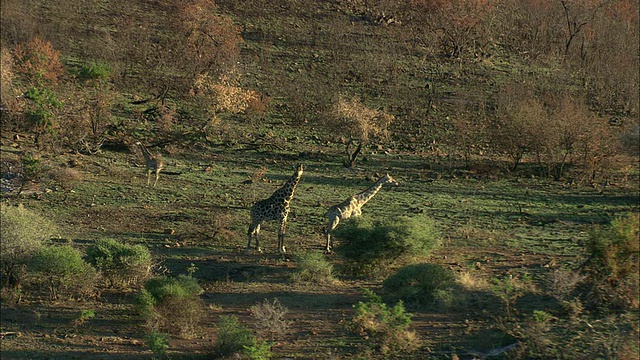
{"x": 313, "y": 267}
{"x": 63, "y": 270}
{"x": 23, "y": 233}
{"x": 120, "y": 263}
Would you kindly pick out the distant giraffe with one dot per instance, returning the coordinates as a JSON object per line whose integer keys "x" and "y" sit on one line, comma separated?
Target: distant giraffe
{"x": 276, "y": 207}
{"x": 153, "y": 163}
{"x": 352, "y": 206}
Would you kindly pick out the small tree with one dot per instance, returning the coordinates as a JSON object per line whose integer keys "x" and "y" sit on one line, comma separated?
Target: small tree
{"x": 213, "y": 41}
{"x": 358, "y": 124}
{"x": 63, "y": 271}
{"x": 38, "y": 62}
{"x": 120, "y": 263}
{"x": 23, "y": 233}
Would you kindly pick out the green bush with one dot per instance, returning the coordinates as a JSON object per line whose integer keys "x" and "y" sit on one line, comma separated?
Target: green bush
{"x": 23, "y": 233}
{"x": 41, "y": 108}
{"x": 172, "y": 304}
{"x": 372, "y": 248}
{"x": 313, "y": 267}
{"x": 64, "y": 271}
{"x": 612, "y": 268}
{"x": 94, "y": 71}
{"x": 386, "y": 328}
{"x": 423, "y": 285}
{"x": 31, "y": 167}
{"x": 120, "y": 263}
{"x": 158, "y": 342}
{"x": 233, "y": 337}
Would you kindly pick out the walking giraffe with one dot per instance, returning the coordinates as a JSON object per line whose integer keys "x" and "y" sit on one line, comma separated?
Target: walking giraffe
{"x": 276, "y": 207}
{"x": 153, "y": 163}
{"x": 352, "y": 206}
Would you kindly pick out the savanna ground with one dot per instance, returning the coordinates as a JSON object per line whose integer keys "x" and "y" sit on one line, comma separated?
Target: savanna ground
{"x": 497, "y": 220}
{"x": 525, "y": 227}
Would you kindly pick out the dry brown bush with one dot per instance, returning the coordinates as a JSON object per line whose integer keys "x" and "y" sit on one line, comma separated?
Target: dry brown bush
{"x": 460, "y": 26}
{"x": 270, "y": 319}
{"x": 38, "y": 61}
{"x": 358, "y": 124}
{"x": 213, "y": 41}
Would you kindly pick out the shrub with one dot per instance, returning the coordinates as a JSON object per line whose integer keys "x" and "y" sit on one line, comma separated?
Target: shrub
{"x": 313, "y": 267}
{"x": 64, "y": 271}
{"x": 31, "y": 167}
{"x": 38, "y": 61}
{"x": 94, "y": 71}
{"x": 374, "y": 247}
{"x": 423, "y": 284}
{"x": 23, "y": 233}
{"x": 40, "y": 109}
{"x": 172, "y": 304}
{"x": 612, "y": 267}
{"x": 270, "y": 318}
{"x": 358, "y": 124}
{"x": 120, "y": 263}
{"x": 386, "y": 328}
{"x": 158, "y": 342}
{"x": 233, "y": 337}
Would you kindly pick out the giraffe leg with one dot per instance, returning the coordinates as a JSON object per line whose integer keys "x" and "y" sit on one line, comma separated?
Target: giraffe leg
{"x": 253, "y": 231}
{"x": 148, "y": 176}
{"x": 281, "y": 232}
{"x": 258, "y": 249}
{"x": 157, "y": 176}
{"x": 333, "y": 223}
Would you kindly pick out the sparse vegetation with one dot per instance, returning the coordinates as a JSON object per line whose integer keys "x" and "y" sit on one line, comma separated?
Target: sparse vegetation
{"x": 158, "y": 342}
{"x": 270, "y": 319}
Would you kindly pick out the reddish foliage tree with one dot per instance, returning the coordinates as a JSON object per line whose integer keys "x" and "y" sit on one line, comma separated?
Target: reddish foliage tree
{"x": 38, "y": 61}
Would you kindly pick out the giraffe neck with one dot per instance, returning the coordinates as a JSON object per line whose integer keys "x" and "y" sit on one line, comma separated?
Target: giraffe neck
{"x": 287, "y": 190}
{"x": 366, "y": 195}
{"x": 146, "y": 153}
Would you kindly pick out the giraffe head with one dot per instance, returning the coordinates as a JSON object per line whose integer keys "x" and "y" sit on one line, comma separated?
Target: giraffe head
{"x": 387, "y": 179}
{"x": 299, "y": 170}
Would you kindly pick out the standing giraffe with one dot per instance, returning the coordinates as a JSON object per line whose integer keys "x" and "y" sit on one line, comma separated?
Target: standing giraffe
{"x": 353, "y": 206}
{"x": 153, "y": 163}
{"x": 276, "y": 207}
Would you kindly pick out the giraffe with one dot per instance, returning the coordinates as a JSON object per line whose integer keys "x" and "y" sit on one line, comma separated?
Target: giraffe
{"x": 352, "y": 206}
{"x": 153, "y": 163}
{"x": 276, "y": 207}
